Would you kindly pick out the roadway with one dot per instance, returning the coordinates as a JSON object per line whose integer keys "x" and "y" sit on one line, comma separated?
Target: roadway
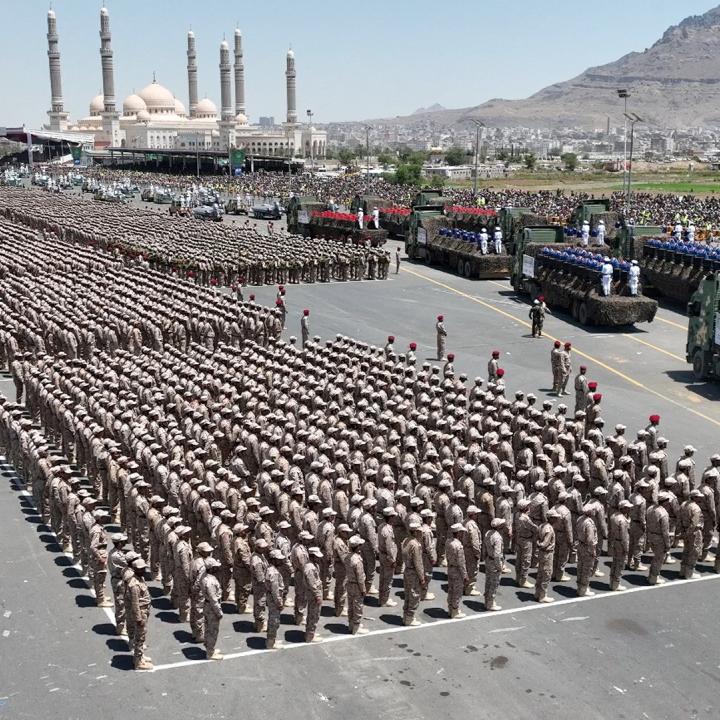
{"x": 647, "y": 653}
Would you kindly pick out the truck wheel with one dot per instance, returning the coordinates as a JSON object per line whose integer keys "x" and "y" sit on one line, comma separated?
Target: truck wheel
{"x": 700, "y": 365}
{"x": 467, "y": 272}
{"x": 574, "y": 309}
{"x": 460, "y": 267}
{"x": 582, "y": 313}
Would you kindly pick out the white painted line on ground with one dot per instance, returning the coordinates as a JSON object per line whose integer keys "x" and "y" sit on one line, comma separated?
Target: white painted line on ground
{"x": 577, "y": 617}
{"x": 507, "y": 629}
{"x": 446, "y": 621}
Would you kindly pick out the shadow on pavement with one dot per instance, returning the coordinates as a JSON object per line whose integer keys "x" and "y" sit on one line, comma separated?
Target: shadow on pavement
{"x": 122, "y": 662}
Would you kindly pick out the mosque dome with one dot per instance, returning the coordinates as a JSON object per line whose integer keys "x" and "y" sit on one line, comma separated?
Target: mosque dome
{"x": 97, "y": 105}
{"x": 180, "y": 108}
{"x": 241, "y": 119}
{"x": 133, "y": 104}
{"x": 157, "y": 98}
{"x": 206, "y": 108}
{"x": 143, "y": 116}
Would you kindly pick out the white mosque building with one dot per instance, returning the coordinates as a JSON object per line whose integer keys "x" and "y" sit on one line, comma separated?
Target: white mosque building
{"x": 154, "y": 118}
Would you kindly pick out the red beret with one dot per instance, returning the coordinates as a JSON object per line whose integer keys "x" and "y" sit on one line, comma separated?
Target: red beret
{"x": 451, "y": 356}
{"x": 391, "y": 338}
{"x": 583, "y": 368}
{"x": 654, "y": 419}
{"x": 557, "y": 343}
{"x": 306, "y": 312}
{"x": 496, "y": 353}
{"x": 541, "y": 298}
{"x": 279, "y": 302}
{"x": 592, "y": 385}
{"x": 413, "y": 346}
{"x": 568, "y": 345}
{"x": 440, "y": 318}
{"x": 597, "y": 397}
{"x": 500, "y": 372}
{"x": 252, "y": 297}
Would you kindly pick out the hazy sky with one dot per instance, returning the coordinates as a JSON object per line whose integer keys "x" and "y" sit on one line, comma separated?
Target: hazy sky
{"x": 374, "y": 58}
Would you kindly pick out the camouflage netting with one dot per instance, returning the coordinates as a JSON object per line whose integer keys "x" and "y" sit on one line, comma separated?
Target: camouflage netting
{"x": 432, "y": 225}
{"x": 675, "y": 281}
{"x": 569, "y": 290}
{"x": 395, "y": 224}
{"x": 452, "y": 251}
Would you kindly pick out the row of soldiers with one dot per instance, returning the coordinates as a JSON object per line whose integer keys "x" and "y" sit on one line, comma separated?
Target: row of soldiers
{"x": 208, "y": 253}
{"x": 340, "y": 464}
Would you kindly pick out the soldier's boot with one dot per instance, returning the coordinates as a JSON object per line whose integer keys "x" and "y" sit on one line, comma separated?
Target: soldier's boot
{"x": 411, "y": 621}
{"x": 656, "y": 580}
{"x": 217, "y": 655}
{"x": 144, "y": 663}
{"x": 524, "y": 583}
{"x": 104, "y": 603}
{"x": 121, "y": 630}
{"x": 469, "y": 589}
{"x": 199, "y": 638}
{"x": 269, "y": 643}
{"x": 260, "y": 625}
{"x": 389, "y": 602}
{"x": 183, "y": 615}
{"x": 299, "y": 618}
{"x": 370, "y": 589}
{"x": 242, "y": 608}
{"x": 361, "y": 630}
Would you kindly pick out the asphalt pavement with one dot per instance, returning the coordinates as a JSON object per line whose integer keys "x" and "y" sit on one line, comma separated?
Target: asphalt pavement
{"x": 649, "y": 652}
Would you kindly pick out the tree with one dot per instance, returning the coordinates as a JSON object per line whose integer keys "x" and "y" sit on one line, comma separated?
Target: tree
{"x": 455, "y": 156}
{"x": 408, "y": 174}
{"x": 345, "y": 156}
{"x": 570, "y": 161}
{"x": 529, "y": 160}
{"x": 501, "y": 154}
{"x": 386, "y": 158}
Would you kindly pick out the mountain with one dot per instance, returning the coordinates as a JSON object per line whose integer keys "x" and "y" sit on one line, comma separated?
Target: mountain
{"x": 437, "y": 107}
{"x": 675, "y": 83}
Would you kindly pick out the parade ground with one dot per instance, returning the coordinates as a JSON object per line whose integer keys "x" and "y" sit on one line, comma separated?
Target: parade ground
{"x": 648, "y": 652}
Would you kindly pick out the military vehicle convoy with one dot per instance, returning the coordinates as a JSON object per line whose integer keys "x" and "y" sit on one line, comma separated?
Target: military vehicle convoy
{"x": 702, "y": 349}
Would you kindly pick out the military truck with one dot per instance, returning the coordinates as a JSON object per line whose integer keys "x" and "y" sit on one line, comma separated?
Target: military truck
{"x": 703, "y": 337}
{"x": 672, "y": 273}
{"x": 299, "y": 211}
{"x": 441, "y": 239}
{"x": 574, "y": 288}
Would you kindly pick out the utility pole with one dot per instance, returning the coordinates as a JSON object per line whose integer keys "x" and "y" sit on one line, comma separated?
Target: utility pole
{"x": 634, "y": 119}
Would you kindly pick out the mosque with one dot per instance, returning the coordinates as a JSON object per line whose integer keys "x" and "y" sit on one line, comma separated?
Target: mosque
{"x": 154, "y": 118}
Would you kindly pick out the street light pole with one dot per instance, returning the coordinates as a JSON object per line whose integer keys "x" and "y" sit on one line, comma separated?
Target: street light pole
{"x": 197, "y": 156}
{"x": 623, "y": 94}
{"x": 368, "y": 128}
{"x": 478, "y": 125}
{"x": 312, "y": 157}
{"x": 634, "y": 119}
